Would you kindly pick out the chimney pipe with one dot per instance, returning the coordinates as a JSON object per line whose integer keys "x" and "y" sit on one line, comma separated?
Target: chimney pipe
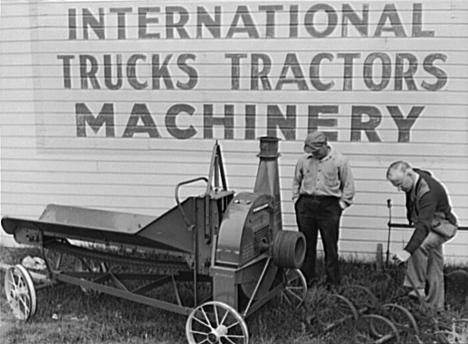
{"x": 268, "y": 176}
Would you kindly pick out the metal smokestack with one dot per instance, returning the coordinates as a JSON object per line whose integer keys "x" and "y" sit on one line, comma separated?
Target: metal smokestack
{"x": 268, "y": 176}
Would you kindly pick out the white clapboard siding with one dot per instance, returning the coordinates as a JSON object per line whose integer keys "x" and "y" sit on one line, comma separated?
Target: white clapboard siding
{"x": 45, "y": 160}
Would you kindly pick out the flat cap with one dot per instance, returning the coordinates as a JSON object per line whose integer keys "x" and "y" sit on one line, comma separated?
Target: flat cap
{"x": 317, "y": 137}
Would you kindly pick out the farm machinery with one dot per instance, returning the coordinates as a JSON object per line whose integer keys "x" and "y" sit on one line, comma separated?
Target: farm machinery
{"x": 231, "y": 245}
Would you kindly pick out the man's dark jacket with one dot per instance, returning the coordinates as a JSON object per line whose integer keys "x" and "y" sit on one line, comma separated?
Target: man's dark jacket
{"x": 428, "y": 197}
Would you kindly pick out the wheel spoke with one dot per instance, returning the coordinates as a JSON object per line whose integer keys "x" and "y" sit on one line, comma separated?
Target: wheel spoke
{"x": 206, "y": 318}
{"x": 201, "y": 322}
{"x": 232, "y": 325}
{"x": 295, "y": 290}
{"x": 216, "y": 316}
{"x": 224, "y": 318}
{"x": 12, "y": 284}
{"x": 288, "y": 300}
{"x": 197, "y": 332}
{"x": 293, "y": 294}
{"x": 293, "y": 280}
{"x": 25, "y": 302}
{"x": 235, "y": 336}
{"x": 230, "y": 341}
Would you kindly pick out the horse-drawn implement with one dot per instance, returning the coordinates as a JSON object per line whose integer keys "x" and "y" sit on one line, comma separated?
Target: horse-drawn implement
{"x": 230, "y": 249}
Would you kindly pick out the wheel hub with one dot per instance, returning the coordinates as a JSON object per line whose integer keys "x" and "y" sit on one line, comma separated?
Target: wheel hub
{"x": 14, "y": 294}
{"x": 217, "y": 333}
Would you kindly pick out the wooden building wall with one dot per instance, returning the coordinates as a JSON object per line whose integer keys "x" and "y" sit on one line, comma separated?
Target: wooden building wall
{"x": 386, "y": 80}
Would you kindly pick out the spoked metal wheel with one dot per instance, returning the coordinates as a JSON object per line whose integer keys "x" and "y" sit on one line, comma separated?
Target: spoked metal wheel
{"x": 295, "y": 291}
{"x": 333, "y": 310}
{"x": 89, "y": 265}
{"x": 216, "y": 322}
{"x": 20, "y": 292}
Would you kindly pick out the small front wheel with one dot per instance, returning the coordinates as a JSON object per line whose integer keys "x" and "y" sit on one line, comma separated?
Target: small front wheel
{"x": 216, "y": 322}
{"x": 295, "y": 289}
{"x": 20, "y": 292}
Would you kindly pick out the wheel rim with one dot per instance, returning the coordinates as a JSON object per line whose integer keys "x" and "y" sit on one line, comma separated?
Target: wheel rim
{"x": 401, "y": 317}
{"x": 295, "y": 291}
{"x": 361, "y": 297}
{"x": 216, "y": 322}
{"x": 372, "y": 326}
{"x": 20, "y": 292}
{"x": 333, "y": 310}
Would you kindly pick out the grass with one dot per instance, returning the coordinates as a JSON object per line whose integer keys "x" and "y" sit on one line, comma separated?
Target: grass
{"x": 67, "y": 315}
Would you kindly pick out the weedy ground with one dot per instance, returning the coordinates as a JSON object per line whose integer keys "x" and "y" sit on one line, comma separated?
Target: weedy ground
{"x": 67, "y": 315}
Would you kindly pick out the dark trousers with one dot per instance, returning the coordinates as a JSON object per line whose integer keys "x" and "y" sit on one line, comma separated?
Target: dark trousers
{"x": 314, "y": 214}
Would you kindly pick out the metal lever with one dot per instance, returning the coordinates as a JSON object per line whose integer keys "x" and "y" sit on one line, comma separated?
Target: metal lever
{"x": 189, "y": 226}
{"x": 389, "y": 206}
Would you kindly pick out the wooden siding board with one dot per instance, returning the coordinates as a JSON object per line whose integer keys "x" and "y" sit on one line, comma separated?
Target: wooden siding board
{"x": 41, "y": 164}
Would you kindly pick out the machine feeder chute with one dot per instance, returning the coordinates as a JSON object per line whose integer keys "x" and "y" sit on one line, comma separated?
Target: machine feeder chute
{"x": 232, "y": 243}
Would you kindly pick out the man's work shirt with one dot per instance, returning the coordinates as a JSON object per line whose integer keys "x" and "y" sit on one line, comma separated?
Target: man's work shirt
{"x": 330, "y": 176}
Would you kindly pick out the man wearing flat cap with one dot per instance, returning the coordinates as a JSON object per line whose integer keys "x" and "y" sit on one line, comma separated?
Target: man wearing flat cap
{"x": 323, "y": 186}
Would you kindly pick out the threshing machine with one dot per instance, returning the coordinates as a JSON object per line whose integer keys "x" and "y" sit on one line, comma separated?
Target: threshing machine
{"x": 231, "y": 245}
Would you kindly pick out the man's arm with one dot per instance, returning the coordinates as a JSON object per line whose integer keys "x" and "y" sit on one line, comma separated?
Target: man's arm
{"x": 347, "y": 183}
{"x": 297, "y": 180}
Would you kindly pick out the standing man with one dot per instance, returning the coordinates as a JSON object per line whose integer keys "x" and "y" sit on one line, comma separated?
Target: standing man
{"x": 426, "y": 201}
{"x": 323, "y": 187}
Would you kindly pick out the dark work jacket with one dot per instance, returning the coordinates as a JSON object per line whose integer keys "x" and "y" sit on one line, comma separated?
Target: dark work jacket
{"x": 426, "y": 198}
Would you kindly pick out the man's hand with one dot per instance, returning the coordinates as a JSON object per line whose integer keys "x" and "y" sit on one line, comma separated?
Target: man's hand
{"x": 401, "y": 257}
{"x": 343, "y": 204}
